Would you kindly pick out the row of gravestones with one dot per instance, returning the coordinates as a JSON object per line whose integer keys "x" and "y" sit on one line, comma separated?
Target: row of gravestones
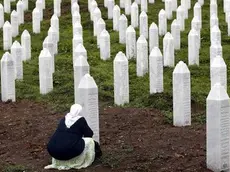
{"x": 86, "y": 91}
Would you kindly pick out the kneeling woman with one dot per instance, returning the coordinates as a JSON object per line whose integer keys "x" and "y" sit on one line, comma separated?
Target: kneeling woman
{"x": 72, "y": 146}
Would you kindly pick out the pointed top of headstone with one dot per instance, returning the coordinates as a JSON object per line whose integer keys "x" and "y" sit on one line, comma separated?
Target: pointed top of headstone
{"x": 130, "y": 29}
{"x": 20, "y": 2}
{"x": 197, "y": 5}
{"x": 75, "y": 4}
{"x": 143, "y": 14}
{"x": 141, "y": 39}
{"x": 123, "y": 17}
{"x": 16, "y": 44}
{"x": 134, "y": 5}
{"x": 76, "y": 13}
{"x": 96, "y": 11}
{"x": 168, "y": 35}
{"x": 25, "y": 33}
{"x": 7, "y": 24}
{"x": 101, "y": 21}
{"x": 93, "y": 3}
{"x": 215, "y": 28}
{"x": 193, "y": 32}
{"x": 87, "y": 81}
{"x": 54, "y": 17}
{"x": 104, "y": 33}
{"x": 51, "y": 29}
{"x": 116, "y": 7}
{"x": 14, "y": 13}
{"x": 36, "y": 10}
{"x": 218, "y": 61}
{"x": 180, "y": 8}
{"x": 156, "y": 52}
{"x": 181, "y": 67}
{"x": 162, "y": 12}
{"x": 48, "y": 40}
{"x": 120, "y": 57}
{"x": 175, "y": 23}
{"x": 153, "y": 26}
{"x": 7, "y": 57}
{"x": 81, "y": 61}
{"x": 195, "y": 19}
{"x": 80, "y": 48}
{"x": 218, "y": 92}
{"x": 1, "y": 6}
{"x": 45, "y": 53}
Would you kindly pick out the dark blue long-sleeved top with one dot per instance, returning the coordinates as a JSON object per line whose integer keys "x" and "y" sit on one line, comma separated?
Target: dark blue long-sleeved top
{"x": 67, "y": 143}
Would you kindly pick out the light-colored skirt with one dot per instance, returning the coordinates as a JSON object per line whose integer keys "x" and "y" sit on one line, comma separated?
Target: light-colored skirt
{"x": 82, "y": 161}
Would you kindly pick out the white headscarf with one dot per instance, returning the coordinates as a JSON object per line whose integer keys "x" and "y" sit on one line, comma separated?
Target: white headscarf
{"x": 73, "y": 115}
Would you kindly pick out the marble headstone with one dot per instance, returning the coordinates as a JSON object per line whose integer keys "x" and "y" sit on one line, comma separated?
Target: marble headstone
{"x": 130, "y": 42}
{"x": 142, "y": 56}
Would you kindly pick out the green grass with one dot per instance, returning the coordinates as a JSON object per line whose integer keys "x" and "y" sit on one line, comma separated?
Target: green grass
{"x": 63, "y": 94}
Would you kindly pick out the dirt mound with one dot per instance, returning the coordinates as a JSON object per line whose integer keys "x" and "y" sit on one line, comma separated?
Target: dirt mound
{"x": 132, "y": 140}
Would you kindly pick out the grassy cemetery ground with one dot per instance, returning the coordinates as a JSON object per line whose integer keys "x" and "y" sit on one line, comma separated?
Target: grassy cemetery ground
{"x": 137, "y": 137}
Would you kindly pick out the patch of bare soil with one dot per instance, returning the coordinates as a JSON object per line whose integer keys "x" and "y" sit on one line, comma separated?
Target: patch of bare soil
{"x": 132, "y": 140}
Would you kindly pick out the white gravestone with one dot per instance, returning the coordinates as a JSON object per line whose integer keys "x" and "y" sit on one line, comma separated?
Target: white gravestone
{"x": 100, "y": 27}
{"x": 134, "y": 15}
{"x": 144, "y": 25}
{"x": 26, "y": 45}
{"x": 215, "y": 50}
{"x": 122, "y": 3}
{"x": 127, "y": 7}
{"x": 162, "y": 22}
{"x": 142, "y": 56}
{"x": 215, "y": 35}
{"x": 153, "y": 36}
{"x": 196, "y": 24}
{"x": 180, "y": 17}
{"x": 39, "y": 6}
{"x": 54, "y": 37}
{"x": 1, "y": 15}
{"x": 45, "y": 72}
{"x": 8, "y": 78}
{"x": 88, "y": 98}
{"x": 96, "y": 17}
{"x": 175, "y": 30}
{"x": 197, "y": 12}
{"x": 116, "y": 16}
{"x": 57, "y": 7}
{"x": 7, "y": 6}
{"x": 121, "y": 79}
{"x": 130, "y": 42}
{"x": 48, "y": 44}
{"x": 218, "y": 129}
{"x": 213, "y": 8}
{"x": 26, "y": 4}
{"x": 77, "y": 39}
{"x": 213, "y": 21}
{"x": 79, "y": 51}
{"x": 76, "y": 17}
{"x": 181, "y": 95}
{"x": 110, "y": 9}
{"x": 14, "y": 23}
{"x": 123, "y": 24}
{"x": 20, "y": 11}
{"x": 7, "y": 36}
{"x": 54, "y": 22}
{"x": 144, "y": 5}
{"x": 93, "y": 7}
{"x": 219, "y": 72}
{"x": 75, "y": 7}
{"x": 185, "y": 7}
{"x": 17, "y": 53}
{"x": 156, "y": 71}
{"x": 168, "y": 50}
{"x": 77, "y": 29}
{"x": 36, "y": 21}
{"x": 193, "y": 47}
{"x": 174, "y": 5}
{"x": 227, "y": 11}
{"x": 81, "y": 67}
{"x": 104, "y": 45}
{"x": 168, "y": 9}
